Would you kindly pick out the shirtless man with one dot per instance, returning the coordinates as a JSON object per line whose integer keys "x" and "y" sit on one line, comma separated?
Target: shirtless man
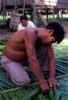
{"x": 33, "y": 45}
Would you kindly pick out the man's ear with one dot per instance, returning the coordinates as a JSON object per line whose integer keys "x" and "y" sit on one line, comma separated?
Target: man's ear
{"x": 51, "y": 31}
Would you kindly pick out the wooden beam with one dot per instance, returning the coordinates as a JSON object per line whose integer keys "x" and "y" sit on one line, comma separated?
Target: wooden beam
{"x": 33, "y": 12}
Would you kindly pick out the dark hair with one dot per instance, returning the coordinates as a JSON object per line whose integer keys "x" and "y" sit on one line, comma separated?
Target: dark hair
{"x": 23, "y": 17}
{"x": 58, "y": 31}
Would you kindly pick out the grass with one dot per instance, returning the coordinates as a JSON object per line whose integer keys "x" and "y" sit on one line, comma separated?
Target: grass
{"x": 2, "y": 17}
{"x": 63, "y": 19}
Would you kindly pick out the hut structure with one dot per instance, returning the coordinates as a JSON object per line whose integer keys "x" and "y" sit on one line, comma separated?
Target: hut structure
{"x": 10, "y": 4}
{"x": 31, "y": 6}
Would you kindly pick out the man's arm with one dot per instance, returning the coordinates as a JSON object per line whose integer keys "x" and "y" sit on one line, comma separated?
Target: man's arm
{"x": 34, "y": 64}
{"x": 52, "y": 61}
{"x": 52, "y": 82}
{"x": 31, "y": 53}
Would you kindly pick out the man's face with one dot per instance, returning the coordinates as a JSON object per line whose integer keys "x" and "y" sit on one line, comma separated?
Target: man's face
{"x": 47, "y": 37}
{"x": 24, "y": 22}
{"x": 48, "y": 40}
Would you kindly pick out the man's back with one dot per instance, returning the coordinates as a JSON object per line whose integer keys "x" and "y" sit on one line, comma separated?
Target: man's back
{"x": 15, "y": 47}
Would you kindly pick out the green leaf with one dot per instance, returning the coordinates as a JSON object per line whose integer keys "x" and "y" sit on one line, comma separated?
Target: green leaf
{"x": 8, "y": 91}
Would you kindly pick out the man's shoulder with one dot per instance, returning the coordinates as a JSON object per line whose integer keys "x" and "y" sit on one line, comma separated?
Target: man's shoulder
{"x": 19, "y": 24}
{"x": 30, "y": 32}
{"x": 30, "y": 22}
{"x": 20, "y": 27}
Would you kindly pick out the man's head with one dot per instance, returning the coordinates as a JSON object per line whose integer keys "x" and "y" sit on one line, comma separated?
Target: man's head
{"x": 58, "y": 31}
{"x": 24, "y": 20}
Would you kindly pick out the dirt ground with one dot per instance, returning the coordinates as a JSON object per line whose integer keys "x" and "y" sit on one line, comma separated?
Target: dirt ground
{"x": 65, "y": 41}
{"x": 66, "y": 30}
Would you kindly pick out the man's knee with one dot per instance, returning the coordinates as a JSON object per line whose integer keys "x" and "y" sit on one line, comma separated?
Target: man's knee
{"x": 22, "y": 81}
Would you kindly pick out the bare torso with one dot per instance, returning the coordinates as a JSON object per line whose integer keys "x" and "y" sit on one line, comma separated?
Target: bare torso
{"x": 15, "y": 47}
{"x": 22, "y": 44}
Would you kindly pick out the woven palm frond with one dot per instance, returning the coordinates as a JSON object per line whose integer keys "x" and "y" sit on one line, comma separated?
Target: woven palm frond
{"x": 8, "y": 91}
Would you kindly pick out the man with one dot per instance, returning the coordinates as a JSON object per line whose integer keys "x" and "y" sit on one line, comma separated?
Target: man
{"x": 32, "y": 46}
{"x": 24, "y": 23}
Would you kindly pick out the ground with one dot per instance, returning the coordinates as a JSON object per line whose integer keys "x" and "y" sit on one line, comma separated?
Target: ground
{"x": 66, "y": 34}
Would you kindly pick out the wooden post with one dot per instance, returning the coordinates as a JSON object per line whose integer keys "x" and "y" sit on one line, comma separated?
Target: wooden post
{"x": 24, "y": 3}
{"x": 33, "y": 12}
{"x": 0, "y": 5}
{"x": 47, "y": 15}
{"x": 53, "y": 13}
{"x": 15, "y": 5}
{"x": 4, "y": 9}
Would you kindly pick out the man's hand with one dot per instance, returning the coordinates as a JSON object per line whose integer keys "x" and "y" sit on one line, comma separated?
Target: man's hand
{"x": 44, "y": 86}
{"x": 53, "y": 83}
